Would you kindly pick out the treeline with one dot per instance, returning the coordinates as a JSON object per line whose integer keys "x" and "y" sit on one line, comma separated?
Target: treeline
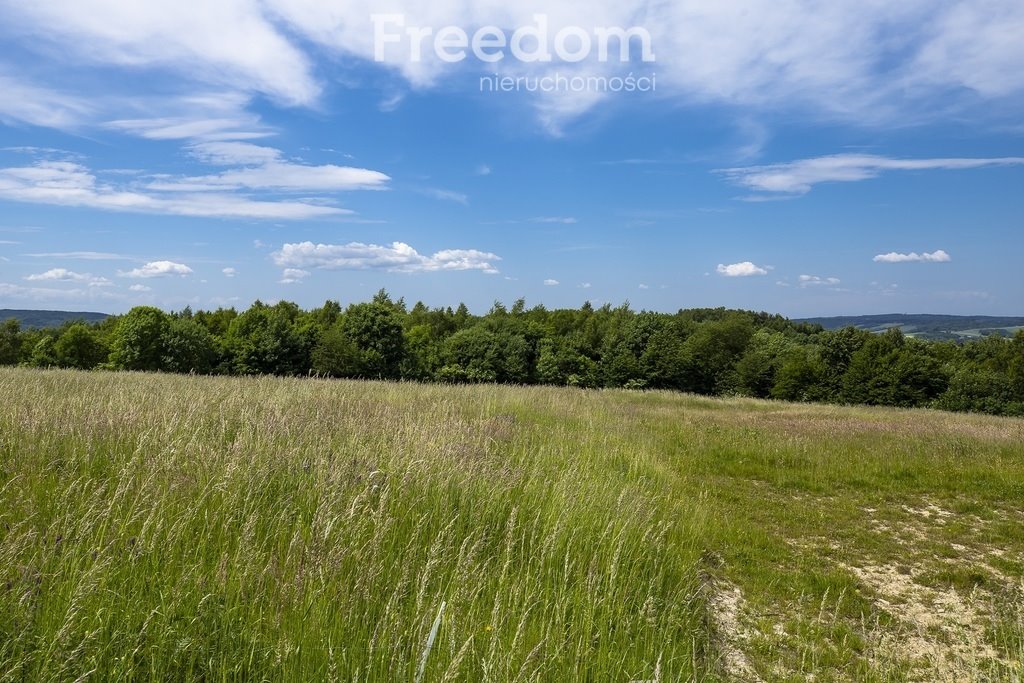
{"x": 704, "y": 351}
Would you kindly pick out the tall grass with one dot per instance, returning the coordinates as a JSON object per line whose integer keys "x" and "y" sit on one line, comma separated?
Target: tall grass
{"x": 169, "y": 528}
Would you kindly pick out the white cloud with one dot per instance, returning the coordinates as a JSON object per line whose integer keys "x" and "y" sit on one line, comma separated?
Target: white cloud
{"x": 39, "y": 106}
{"x": 230, "y": 43}
{"x": 585, "y": 285}
{"x": 66, "y": 183}
{"x": 564, "y": 220}
{"x": 445, "y": 195}
{"x": 82, "y": 255}
{"x": 65, "y": 275}
{"x": 52, "y": 294}
{"x": 263, "y": 168}
{"x": 158, "y": 269}
{"x": 234, "y": 153}
{"x": 848, "y": 58}
{"x": 860, "y": 61}
{"x": 140, "y": 288}
{"x": 939, "y": 256}
{"x": 815, "y": 281}
{"x": 799, "y": 177}
{"x": 229, "y": 272}
{"x": 191, "y": 128}
{"x": 975, "y": 45}
{"x": 551, "y": 283}
{"x": 292, "y": 276}
{"x": 644, "y": 287}
{"x": 396, "y": 257}
{"x": 483, "y": 170}
{"x": 202, "y": 117}
{"x": 743, "y": 269}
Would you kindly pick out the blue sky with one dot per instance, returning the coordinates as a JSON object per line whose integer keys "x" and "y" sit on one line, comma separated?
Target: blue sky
{"x": 807, "y": 158}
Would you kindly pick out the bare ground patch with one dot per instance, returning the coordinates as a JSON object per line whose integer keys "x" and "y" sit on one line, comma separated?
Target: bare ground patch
{"x": 939, "y": 633}
{"x": 726, "y": 609}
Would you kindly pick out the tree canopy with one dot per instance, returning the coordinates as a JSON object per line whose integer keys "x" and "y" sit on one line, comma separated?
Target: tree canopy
{"x": 707, "y": 351}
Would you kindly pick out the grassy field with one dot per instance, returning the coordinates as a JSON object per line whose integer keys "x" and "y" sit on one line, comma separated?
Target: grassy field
{"x": 161, "y": 528}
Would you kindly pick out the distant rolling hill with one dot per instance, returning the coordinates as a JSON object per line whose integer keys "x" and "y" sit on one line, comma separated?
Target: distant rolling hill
{"x": 49, "y": 318}
{"x": 932, "y": 327}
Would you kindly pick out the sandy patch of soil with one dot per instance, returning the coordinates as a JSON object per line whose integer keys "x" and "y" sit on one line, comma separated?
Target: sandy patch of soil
{"x": 941, "y": 633}
{"x": 727, "y": 605}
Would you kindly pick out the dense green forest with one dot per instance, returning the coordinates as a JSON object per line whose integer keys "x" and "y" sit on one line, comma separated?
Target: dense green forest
{"x": 704, "y": 351}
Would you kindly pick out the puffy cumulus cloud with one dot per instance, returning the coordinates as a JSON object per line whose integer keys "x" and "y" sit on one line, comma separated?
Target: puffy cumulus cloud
{"x": 158, "y": 269}
{"x": 743, "y": 269}
{"x": 291, "y": 276}
{"x": 65, "y": 275}
{"x": 550, "y": 282}
{"x": 66, "y": 183}
{"x": 140, "y": 288}
{"x": 229, "y": 272}
{"x": 939, "y": 256}
{"x": 396, "y": 257}
{"x": 799, "y": 177}
{"x": 815, "y": 281}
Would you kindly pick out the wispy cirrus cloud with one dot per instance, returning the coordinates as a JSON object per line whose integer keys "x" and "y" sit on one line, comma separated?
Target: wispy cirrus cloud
{"x": 66, "y": 183}
{"x": 51, "y": 294}
{"x": 875, "y": 62}
{"x": 233, "y": 44}
{"x": 562, "y": 220}
{"x": 197, "y": 117}
{"x": 445, "y": 195}
{"x": 939, "y": 256}
{"x": 265, "y": 168}
{"x": 82, "y": 255}
{"x": 397, "y": 257}
{"x": 797, "y": 178}
{"x": 190, "y": 128}
{"x": 25, "y": 102}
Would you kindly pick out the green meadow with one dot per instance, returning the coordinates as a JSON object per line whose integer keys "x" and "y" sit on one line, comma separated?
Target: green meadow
{"x": 176, "y": 528}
